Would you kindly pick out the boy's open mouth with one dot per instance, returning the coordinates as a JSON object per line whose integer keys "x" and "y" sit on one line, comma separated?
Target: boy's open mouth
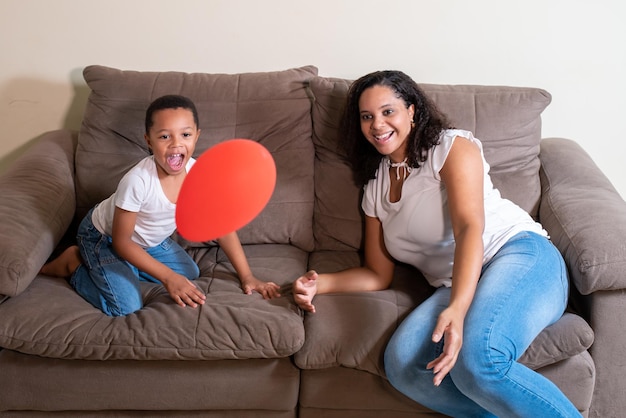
{"x": 175, "y": 161}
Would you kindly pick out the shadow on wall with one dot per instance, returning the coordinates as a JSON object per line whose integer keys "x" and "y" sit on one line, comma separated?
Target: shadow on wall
{"x": 39, "y": 100}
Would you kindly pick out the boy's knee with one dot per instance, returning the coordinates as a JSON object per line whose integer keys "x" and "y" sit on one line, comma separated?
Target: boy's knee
{"x": 190, "y": 270}
{"x": 122, "y": 312}
{"x": 126, "y": 307}
{"x": 195, "y": 272}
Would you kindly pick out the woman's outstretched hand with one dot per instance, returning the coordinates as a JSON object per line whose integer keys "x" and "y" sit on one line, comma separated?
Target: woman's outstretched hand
{"x": 304, "y": 289}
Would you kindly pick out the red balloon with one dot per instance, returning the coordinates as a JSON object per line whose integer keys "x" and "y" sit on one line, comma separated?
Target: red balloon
{"x": 227, "y": 187}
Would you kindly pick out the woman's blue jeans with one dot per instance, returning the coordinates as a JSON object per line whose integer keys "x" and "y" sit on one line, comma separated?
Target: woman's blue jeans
{"x": 112, "y": 284}
{"x": 523, "y": 289}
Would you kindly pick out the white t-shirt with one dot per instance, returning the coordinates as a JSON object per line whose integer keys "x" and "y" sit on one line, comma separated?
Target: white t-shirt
{"x": 417, "y": 229}
{"x": 140, "y": 191}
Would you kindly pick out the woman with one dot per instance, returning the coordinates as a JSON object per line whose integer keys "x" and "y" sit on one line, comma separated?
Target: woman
{"x": 429, "y": 202}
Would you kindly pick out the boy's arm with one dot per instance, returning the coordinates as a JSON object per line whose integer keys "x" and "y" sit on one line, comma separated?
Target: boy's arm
{"x": 181, "y": 289}
{"x": 234, "y": 251}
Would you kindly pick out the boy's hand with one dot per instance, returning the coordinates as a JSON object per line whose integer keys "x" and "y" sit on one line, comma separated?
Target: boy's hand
{"x": 304, "y": 289}
{"x": 184, "y": 291}
{"x": 269, "y": 290}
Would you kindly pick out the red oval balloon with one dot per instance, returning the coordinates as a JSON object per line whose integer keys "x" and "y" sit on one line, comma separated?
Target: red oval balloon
{"x": 227, "y": 187}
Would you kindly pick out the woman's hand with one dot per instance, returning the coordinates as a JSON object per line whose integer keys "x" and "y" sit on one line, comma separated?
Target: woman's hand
{"x": 268, "y": 290}
{"x": 450, "y": 328}
{"x": 304, "y": 290}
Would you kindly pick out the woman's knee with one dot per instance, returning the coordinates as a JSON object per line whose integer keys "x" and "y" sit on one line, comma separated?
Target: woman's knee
{"x": 394, "y": 362}
{"x": 408, "y": 377}
{"x": 390, "y": 364}
{"x": 478, "y": 367}
{"x": 402, "y": 360}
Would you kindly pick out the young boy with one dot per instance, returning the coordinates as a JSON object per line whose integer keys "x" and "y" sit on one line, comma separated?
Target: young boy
{"x": 125, "y": 239}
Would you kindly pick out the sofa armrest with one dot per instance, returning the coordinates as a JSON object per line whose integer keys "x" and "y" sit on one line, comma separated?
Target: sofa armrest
{"x": 37, "y": 206}
{"x": 584, "y": 215}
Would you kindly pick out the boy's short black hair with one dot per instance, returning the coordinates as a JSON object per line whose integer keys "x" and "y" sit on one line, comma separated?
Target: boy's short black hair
{"x": 170, "y": 101}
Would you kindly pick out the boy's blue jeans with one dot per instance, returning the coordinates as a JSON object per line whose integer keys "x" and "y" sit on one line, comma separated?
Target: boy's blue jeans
{"x": 112, "y": 284}
{"x": 523, "y": 289}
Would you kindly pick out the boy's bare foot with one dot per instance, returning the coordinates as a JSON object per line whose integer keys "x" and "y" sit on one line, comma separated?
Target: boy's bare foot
{"x": 64, "y": 265}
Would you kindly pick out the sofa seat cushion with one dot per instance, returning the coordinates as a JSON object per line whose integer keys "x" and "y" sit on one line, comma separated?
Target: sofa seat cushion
{"x": 272, "y": 108}
{"x": 352, "y": 329}
{"x": 50, "y": 319}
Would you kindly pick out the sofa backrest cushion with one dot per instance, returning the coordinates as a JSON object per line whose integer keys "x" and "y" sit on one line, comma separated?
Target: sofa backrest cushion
{"x": 507, "y": 120}
{"x": 269, "y": 107}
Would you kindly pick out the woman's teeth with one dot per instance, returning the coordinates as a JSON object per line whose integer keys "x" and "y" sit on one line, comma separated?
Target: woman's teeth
{"x": 383, "y": 138}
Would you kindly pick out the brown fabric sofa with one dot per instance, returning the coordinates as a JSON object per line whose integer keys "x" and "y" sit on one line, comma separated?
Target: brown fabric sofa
{"x": 240, "y": 355}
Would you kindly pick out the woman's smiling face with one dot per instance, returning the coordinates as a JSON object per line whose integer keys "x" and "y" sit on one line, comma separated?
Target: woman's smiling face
{"x": 385, "y": 121}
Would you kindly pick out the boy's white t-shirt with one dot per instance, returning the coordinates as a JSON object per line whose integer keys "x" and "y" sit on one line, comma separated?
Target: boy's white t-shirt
{"x": 417, "y": 229}
{"x": 140, "y": 191}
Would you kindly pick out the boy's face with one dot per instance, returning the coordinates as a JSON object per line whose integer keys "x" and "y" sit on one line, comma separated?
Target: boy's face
{"x": 172, "y": 139}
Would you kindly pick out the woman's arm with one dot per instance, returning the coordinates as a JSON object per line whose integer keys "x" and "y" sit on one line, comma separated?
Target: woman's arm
{"x": 181, "y": 289}
{"x": 463, "y": 177}
{"x": 234, "y": 251}
{"x": 376, "y": 274}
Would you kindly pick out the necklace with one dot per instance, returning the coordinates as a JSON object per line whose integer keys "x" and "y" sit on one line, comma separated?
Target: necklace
{"x": 401, "y": 165}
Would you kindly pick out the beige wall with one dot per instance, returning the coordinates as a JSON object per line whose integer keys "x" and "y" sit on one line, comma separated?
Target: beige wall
{"x": 574, "y": 49}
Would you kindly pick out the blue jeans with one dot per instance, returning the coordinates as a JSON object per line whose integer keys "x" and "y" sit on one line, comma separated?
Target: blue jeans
{"x": 110, "y": 283}
{"x": 523, "y": 289}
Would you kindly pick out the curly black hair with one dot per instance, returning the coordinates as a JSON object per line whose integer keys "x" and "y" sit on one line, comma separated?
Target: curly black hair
{"x": 170, "y": 101}
{"x": 429, "y": 123}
